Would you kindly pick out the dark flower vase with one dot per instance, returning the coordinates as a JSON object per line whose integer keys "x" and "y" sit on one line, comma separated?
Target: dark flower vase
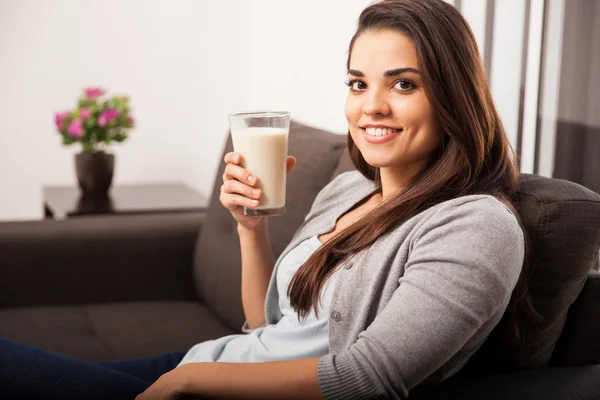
{"x": 94, "y": 172}
{"x": 89, "y": 204}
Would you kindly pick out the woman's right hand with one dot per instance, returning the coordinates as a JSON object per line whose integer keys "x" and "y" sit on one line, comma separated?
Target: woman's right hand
{"x": 238, "y": 190}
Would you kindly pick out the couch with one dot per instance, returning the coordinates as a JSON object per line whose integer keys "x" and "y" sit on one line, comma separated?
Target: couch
{"x": 122, "y": 287}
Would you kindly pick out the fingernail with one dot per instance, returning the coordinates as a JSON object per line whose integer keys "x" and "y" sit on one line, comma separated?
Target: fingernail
{"x": 255, "y": 192}
{"x": 255, "y": 202}
{"x": 251, "y": 179}
{"x": 236, "y": 158}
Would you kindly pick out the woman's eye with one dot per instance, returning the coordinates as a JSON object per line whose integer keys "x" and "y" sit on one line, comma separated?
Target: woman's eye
{"x": 357, "y": 85}
{"x": 404, "y": 85}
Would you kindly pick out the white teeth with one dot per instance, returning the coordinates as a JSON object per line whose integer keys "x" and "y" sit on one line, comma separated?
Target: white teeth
{"x": 380, "y": 131}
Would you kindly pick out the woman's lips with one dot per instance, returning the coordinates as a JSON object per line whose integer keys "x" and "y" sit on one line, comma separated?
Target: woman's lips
{"x": 380, "y": 139}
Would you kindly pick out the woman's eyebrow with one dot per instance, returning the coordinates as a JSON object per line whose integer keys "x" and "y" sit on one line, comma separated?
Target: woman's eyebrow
{"x": 355, "y": 73}
{"x": 390, "y": 73}
{"x": 398, "y": 71}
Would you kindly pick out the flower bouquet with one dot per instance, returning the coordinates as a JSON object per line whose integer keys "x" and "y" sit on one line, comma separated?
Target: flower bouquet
{"x": 96, "y": 122}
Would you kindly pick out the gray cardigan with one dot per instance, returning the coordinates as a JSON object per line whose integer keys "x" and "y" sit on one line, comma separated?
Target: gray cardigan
{"x": 420, "y": 301}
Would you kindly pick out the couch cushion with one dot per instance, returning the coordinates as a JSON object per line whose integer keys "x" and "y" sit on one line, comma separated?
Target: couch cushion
{"x": 563, "y": 220}
{"x": 217, "y": 261}
{"x": 108, "y": 332}
{"x": 344, "y": 164}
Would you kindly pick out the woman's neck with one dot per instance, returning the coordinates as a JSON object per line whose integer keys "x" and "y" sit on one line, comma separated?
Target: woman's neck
{"x": 391, "y": 183}
{"x": 395, "y": 179}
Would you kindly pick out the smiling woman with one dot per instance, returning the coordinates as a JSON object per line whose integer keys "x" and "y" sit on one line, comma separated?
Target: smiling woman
{"x": 399, "y": 272}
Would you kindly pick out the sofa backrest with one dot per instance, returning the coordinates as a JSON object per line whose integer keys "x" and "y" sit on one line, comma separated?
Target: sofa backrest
{"x": 563, "y": 219}
{"x": 217, "y": 265}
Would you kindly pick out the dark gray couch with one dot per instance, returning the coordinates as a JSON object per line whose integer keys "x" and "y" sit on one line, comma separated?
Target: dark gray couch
{"x": 105, "y": 288}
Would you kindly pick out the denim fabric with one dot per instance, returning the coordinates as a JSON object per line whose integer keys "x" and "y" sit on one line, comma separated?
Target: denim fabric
{"x": 30, "y": 373}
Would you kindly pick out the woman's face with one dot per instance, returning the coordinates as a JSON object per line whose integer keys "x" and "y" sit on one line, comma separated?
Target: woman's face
{"x": 389, "y": 116}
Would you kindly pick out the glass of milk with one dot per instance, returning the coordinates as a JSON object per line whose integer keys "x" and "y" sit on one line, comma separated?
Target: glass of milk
{"x": 262, "y": 140}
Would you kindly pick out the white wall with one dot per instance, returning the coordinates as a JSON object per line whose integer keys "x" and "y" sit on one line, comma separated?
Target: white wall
{"x": 183, "y": 62}
{"x": 550, "y": 85}
{"x": 474, "y": 12}
{"x": 298, "y": 58}
{"x": 507, "y": 61}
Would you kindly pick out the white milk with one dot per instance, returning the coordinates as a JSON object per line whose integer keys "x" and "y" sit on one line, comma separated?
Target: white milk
{"x": 265, "y": 153}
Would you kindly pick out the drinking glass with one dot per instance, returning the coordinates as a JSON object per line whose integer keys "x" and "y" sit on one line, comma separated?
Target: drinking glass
{"x": 262, "y": 140}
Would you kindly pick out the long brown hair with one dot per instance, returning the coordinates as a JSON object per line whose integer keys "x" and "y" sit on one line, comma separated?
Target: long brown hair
{"x": 474, "y": 155}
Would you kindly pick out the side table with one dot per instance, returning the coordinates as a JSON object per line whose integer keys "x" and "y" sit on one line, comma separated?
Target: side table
{"x": 62, "y": 202}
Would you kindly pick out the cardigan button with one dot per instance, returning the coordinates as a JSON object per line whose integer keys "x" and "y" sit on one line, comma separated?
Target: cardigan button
{"x": 348, "y": 265}
{"x": 336, "y": 316}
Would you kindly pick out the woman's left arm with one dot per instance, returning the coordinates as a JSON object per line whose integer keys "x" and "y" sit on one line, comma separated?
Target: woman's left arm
{"x": 461, "y": 268}
{"x": 296, "y": 379}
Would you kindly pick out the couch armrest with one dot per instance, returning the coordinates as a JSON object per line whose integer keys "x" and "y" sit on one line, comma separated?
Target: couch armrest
{"x": 579, "y": 342}
{"x": 98, "y": 259}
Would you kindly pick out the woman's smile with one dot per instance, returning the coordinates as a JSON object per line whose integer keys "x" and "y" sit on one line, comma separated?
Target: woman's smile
{"x": 379, "y": 134}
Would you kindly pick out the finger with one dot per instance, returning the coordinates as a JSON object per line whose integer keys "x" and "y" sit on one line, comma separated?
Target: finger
{"x": 236, "y": 187}
{"x": 233, "y": 201}
{"x": 233, "y": 158}
{"x": 233, "y": 171}
{"x": 291, "y": 164}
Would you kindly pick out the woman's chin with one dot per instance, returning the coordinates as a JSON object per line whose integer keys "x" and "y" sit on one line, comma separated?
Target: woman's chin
{"x": 379, "y": 165}
{"x": 377, "y": 161}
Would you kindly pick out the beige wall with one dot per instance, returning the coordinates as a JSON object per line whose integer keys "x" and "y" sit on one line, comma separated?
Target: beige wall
{"x": 594, "y": 77}
{"x": 579, "y": 96}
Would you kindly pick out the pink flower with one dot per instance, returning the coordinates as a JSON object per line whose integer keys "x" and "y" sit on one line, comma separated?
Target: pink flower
{"x": 92, "y": 93}
{"x": 85, "y": 113}
{"x": 131, "y": 121}
{"x": 59, "y": 119}
{"x": 107, "y": 116}
{"x": 75, "y": 128}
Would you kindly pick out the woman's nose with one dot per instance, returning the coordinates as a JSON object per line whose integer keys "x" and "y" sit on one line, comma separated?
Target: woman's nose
{"x": 376, "y": 104}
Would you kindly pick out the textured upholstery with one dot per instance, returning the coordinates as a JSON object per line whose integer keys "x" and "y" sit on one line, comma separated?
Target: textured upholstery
{"x": 563, "y": 219}
{"x": 112, "y": 331}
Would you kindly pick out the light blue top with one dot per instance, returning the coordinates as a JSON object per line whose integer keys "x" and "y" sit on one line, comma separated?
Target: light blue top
{"x": 285, "y": 340}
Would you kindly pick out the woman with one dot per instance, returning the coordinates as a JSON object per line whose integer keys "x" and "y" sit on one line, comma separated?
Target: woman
{"x": 399, "y": 272}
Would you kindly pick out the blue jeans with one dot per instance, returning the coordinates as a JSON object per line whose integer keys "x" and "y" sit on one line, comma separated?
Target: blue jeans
{"x": 30, "y": 373}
